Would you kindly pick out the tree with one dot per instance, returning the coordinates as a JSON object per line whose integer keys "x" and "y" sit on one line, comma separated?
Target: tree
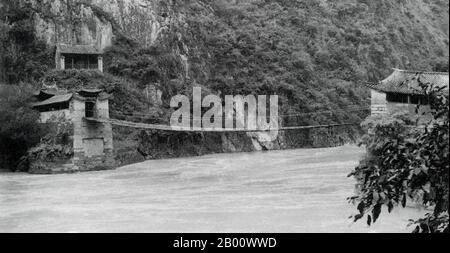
{"x": 19, "y": 128}
{"x": 405, "y": 161}
{"x": 23, "y": 56}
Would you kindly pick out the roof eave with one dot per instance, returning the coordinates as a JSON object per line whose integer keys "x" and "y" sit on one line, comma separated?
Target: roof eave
{"x": 379, "y": 89}
{"x": 47, "y": 102}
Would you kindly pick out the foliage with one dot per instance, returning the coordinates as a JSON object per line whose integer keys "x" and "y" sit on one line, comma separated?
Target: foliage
{"x": 314, "y": 55}
{"x": 152, "y": 65}
{"x": 55, "y": 146}
{"x": 18, "y": 128}
{"x": 73, "y": 79}
{"x": 407, "y": 161}
{"x": 441, "y": 66}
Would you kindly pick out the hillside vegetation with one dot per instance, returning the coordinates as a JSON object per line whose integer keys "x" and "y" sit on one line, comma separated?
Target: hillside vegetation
{"x": 313, "y": 53}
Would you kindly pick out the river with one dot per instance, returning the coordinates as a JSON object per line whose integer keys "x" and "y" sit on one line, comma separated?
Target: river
{"x": 301, "y": 190}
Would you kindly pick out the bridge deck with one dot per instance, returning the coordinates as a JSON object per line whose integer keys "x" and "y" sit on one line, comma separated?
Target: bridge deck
{"x": 117, "y": 122}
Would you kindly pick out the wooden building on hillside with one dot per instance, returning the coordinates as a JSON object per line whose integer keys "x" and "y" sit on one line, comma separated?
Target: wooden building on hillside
{"x": 401, "y": 91}
{"x": 78, "y": 57}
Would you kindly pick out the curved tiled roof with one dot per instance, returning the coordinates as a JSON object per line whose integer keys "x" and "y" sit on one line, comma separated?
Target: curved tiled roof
{"x": 77, "y": 49}
{"x": 56, "y": 96}
{"x": 50, "y": 92}
{"x": 407, "y": 81}
{"x": 54, "y": 100}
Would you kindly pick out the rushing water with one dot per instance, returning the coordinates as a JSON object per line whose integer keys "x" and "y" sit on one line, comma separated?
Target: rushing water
{"x": 302, "y": 190}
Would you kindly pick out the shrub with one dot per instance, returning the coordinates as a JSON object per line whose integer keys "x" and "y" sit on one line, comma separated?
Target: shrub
{"x": 25, "y": 58}
{"x": 19, "y": 128}
{"x": 405, "y": 161}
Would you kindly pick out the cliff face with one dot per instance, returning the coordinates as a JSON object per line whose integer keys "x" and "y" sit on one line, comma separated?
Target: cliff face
{"x": 139, "y": 19}
{"x": 96, "y": 21}
{"x": 71, "y": 23}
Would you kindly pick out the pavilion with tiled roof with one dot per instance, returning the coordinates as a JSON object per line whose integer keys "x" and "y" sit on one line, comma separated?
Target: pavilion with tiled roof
{"x": 401, "y": 90}
{"x": 70, "y": 56}
{"x": 407, "y": 82}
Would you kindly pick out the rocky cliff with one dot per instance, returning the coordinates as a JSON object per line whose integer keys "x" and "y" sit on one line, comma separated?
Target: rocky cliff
{"x": 96, "y": 22}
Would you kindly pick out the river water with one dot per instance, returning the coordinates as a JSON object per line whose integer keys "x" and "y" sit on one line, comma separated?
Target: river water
{"x": 301, "y": 190}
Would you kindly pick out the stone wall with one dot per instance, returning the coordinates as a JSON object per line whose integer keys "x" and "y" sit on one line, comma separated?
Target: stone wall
{"x": 393, "y": 107}
{"x": 380, "y": 105}
{"x": 378, "y": 102}
{"x": 55, "y": 116}
{"x": 55, "y": 152}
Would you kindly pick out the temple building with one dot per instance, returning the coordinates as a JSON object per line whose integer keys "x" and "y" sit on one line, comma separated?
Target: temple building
{"x": 67, "y": 114}
{"x": 401, "y": 91}
{"x": 78, "y": 57}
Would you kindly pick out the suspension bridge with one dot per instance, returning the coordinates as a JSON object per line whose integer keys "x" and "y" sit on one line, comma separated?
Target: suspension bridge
{"x": 114, "y": 120}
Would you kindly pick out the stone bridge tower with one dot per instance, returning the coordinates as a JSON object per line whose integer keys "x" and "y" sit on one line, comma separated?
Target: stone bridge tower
{"x": 92, "y": 140}
{"x": 73, "y": 122}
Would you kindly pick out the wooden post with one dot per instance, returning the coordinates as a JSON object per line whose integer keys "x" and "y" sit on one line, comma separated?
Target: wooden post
{"x": 146, "y": 95}
{"x": 100, "y": 63}
{"x": 409, "y": 104}
{"x": 62, "y": 63}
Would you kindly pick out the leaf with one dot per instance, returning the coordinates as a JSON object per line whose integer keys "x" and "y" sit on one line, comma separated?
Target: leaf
{"x": 376, "y": 212}
{"x": 424, "y": 228}
{"x": 357, "y": 217}
{"x": 369, "y": 220}
{"x": 382, "y": 179}
{"x": 361, "y": 207}
{"x": 390, "y": 206}
{"x": 417, "y": 170}
{"x": 405, "y": 183}
{"x": 424, "y": 169}
{"x": 432, "y": 193}
{"x": 375, "y": 197}
{"x": 416, "y": 230}
{"x": 427, "y": 187}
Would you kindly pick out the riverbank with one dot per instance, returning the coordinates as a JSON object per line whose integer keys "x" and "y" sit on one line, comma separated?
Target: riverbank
{"x": 134, "y": 145}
